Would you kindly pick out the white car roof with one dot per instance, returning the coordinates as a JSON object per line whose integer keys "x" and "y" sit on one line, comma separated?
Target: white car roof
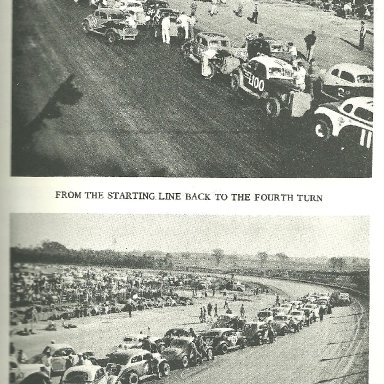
{"x": 355, "y": 69}
{"x": 271, "y": 62}
{"x": 90, "y": 369}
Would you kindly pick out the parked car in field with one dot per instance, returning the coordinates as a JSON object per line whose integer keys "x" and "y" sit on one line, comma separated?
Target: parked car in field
{"x": 265, "y": 316}
{"x": 254, "y": 332}
{"x": 222, "y": 57}
{"x": 133, "y": 365}
{"x": 138, "y": 9}
{"x": 85, "y": 374}
{"x": 315, "y": 308}
{"x": 174, "y": 333}
{"x": 271, "y": 81}
{"x": 60, "y": 353}
{"x": 223, "y": 340}
{"x": 299, "y": 317}
{"x": 18, "y": 372}
{"x": 109, "y": 23}
{"x": 345, "y": 80}
{"x": 340, "y": 298}
{"x": 136, "y": 341}
{"x": 350, "y": 121}
{"x": 284, "y": 324}
{"x": 286, "y": 308}
{"x": 179, "y": 352}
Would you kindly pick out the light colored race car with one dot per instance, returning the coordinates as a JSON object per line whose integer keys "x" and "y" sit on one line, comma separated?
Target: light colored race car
{"x": 299, "y": 317}
{"x": 18, "y": 372}
{"x": 286, "y": 308}
{"x": 136, "y": 341}
{"x": 223, "y": 340}
{"x": 314, "y": 308}
{"x": 265, "y": 316}
{"x": 137, "y": 8}
{"x": 60, "y": 353}
{"x": 222, "y": 57}
{"x": 345, "y": 80}
{"x": 349, "y": 121}
{"x": 85, "y": 374}
{"x": 110, "y": 23}
{"x": 271, "y": 81}
{"x": 133, "y": 365}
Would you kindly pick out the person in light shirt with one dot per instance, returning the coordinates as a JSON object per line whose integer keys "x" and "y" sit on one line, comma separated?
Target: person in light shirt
{"x": 165, "y": 28}
{"x": 300, "y": 75}
{"x": 183, "y": 20}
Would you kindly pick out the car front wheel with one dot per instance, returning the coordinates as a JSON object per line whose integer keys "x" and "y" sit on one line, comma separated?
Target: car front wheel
{"x": 323, "y": 129}
{"x": 133, "y": 378}
{"x": 111, "y": 37}
{"x": 209, "y": 354}
{"x": 165, "y": 369}
{"x": 235, "y": 82}
{"x": 272, "y": 107}
{"x": 224, "y": 349}
{"x": 86, "y": 27}
{"x": 185, "y": 361}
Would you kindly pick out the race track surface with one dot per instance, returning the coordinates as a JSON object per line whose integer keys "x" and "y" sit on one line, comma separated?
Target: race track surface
{"x": 335, "y": 351}
{"x": 83, "y": 108}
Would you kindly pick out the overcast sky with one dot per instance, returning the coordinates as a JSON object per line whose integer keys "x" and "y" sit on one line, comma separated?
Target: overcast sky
{"x": 295, "y": 236}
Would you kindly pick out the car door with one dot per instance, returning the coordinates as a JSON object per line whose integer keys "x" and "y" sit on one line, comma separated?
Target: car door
{"x": 254, "y": 77}
{"x": 137, "y": 364}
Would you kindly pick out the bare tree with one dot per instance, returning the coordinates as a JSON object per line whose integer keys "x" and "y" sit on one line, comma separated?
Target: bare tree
{"x": 283, "y": 259}
{"x": 218, "y": 254}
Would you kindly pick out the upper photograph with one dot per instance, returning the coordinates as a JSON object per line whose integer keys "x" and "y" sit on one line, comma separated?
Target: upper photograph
{"x": 186, "y": 88}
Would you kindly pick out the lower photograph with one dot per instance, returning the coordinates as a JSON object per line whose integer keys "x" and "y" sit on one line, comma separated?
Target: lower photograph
{"x": 97, "y": 298}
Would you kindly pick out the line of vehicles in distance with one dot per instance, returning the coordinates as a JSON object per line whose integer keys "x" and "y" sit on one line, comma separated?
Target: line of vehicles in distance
{"x": 141, "y": 356}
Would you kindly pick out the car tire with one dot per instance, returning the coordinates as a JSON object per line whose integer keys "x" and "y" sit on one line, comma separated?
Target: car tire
{"x": 111, "y": 37}
{"x": 161, "y": 348}
{"x": 272, "y": 107}
{"x": 209, "y": 354}
{"x": 185, "y": 361}
{"x": 133, "y": 378}
{"x": 235, "y": 82}
{"x": 86, "y": 27}
{"x": 224, "y": 349}
{"x": 243, "y": 344}
{"x": 322, "y": 128}
{"x": 165, "y": 369}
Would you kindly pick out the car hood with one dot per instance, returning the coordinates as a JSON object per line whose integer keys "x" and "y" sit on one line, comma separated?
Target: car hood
{"x": 171, "y": 353}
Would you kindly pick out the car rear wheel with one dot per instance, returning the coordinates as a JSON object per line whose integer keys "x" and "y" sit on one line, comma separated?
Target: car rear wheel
{"x": 224, "y": 349}
{"x": 272, "y": 107}
{"x": 209, "y": 354}
{"x": 111, "y": 37}
{"x": 323, "y": 129}
{"x": 86, "y": 27}
{"x": 235, "y": 82}
{"x": 185, "y": 361}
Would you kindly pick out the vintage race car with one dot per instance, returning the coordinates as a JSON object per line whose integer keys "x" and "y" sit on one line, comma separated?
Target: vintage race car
{"x": 60, "y": 354}
{"x": 174, "y": 333}
{"x": 299, "y": 317}
{"x": 179, "y": 352}
{"x": 284, "y": 324}
{"x": 217, "y": 48}
{"x": 110, "y": 23}
{"x": 254, "y": 332}
{"x": 223, "y": 340}
{"x": 137, "y": 8}
{"x": 134, "y": 365}
{"x": 267, "y": 46}
{"x": 343, "y": 81}
{"x": 89, "y": 374}
{"x": 286, "y": 308}
{"x": 349, "y": 121}
{"x": 136, "y": 341}
{"x": 271, "y": 81}
{"x": 18, "y": 372}
{"x": 265, "y": 315}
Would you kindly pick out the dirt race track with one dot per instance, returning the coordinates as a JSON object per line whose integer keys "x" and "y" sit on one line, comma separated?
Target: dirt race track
{"x": 140, "y": 110}
{"x": 334, "y": 351}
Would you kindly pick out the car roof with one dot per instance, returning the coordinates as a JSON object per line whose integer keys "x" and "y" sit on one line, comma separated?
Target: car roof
{"x": 91, "y": 369}
{"x": 129, "y": 352}
{"x": 269, "y": 61}
{"x": 108, "y": 11}
{"x": 362, "y": 101}
{"x": 214, "y": 35}
{"x": 55, "y": 347}
{"x": 220, "y": 329}
{"x": 355, "y": 69}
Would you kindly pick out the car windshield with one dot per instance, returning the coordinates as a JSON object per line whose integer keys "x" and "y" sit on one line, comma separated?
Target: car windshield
{"x": 130, "y": 339}
{"x": 77, "y": 377}
{"x": 121, "y": 359}
{"x": 264, "y": 314}
{"x": 277, "y": 48}
{"x": 218, "y": 43}
{"x": 283, "y": 318}
{"x": 179, "y": 343}
{"x": 211, "y": 334}
{"x": 133, "y": 5}
{"x": 296, "y": 313}
{"x": 365, "y": 79}
{"x": 280, "y": 72}
{"x": 117, "y": 16}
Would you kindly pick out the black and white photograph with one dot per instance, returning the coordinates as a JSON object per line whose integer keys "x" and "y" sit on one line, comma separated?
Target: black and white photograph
{"x": 196, "y": 88}
{"x": 118, "y": 299}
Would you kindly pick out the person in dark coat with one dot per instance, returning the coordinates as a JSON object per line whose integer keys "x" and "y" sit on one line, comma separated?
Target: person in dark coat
{"x": 310, "y": 41}
{"x": 321, "y": 313}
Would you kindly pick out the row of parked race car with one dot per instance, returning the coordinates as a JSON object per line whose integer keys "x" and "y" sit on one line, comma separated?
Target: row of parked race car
{"x": 262, "y": 70}
{"x": 140, "y": 356}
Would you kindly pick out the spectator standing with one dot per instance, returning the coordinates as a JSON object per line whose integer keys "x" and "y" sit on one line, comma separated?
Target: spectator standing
{"x": 165, "y": 29}
{"x": 192, "y": 23}
{"x": 193, "y": 7}
{"x": 362, "y": 34}
{"x": 300, "y": 76}
{"x": 321, "y": 313}
{"x": 242, "y": 311}
{"x": 213, "y": 10}
{"x": 313, "y": 76}
{"x": 293, "y": 52}
{"x": 310, "y": 41}
{"x": 239, "y": 11}
{"x": 215, "y": 310}
{"x": 183, "y": 21}
{"x": 255, "y": 13}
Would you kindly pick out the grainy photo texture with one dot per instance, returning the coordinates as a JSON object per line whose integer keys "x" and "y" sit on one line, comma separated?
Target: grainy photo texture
{"x": 187, "y": 88}
{"x": 188, "y": 299}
